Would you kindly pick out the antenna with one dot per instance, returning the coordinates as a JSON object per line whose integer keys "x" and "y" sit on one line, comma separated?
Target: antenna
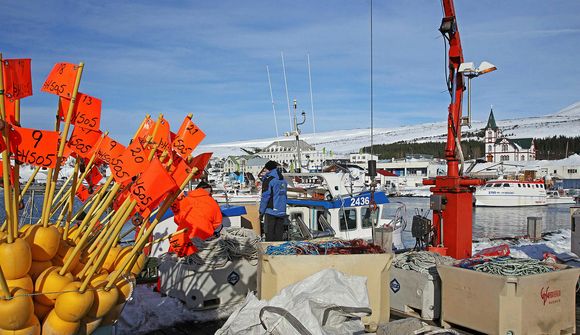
{"x": 311, "y": 100}
{"x": 272, "y": 97}
{"x": 372, "y": 132}
{"x": 286, "y": 85}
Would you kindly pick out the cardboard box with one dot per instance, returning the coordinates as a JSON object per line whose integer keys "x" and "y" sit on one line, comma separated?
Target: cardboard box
{"x": 251, "y": 220}
{"x": 277, "y": 272}
{"x": 493, "y": 304}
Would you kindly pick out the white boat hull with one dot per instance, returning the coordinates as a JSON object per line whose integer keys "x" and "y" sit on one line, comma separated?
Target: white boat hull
{"x": 508, "y": 200}
{"x": 510, "y": 193}
{"x": 561, "y": 201}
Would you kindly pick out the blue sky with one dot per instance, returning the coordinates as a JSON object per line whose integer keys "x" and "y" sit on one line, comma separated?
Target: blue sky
{"x": 209, "y": 58}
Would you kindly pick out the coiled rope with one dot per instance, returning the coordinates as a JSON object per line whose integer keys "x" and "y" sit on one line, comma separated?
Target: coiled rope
{"x": 421, "y": 261}
{"x": 508, "y": 266}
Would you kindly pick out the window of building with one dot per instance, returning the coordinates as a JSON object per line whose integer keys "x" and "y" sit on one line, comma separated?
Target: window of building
{"x": 368, "y": 217}
{"x": 504, "y": 147}
{"x": 489, "y": 148}
{"x": 347, "y": 219}
{"x": 523, "y": 157}
{"x": 572, "y": 170}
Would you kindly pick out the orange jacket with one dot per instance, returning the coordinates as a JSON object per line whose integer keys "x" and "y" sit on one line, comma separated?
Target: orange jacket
{"x": 200, "y": 214}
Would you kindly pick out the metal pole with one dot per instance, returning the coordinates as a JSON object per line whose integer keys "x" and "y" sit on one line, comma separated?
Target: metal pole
{"x": 272, "y": 97}
{"x": 311, "y": 98}
{"x": 286, "y": 85}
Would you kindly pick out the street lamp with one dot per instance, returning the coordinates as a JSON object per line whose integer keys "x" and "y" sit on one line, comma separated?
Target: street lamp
{"x": 469, "y": 70}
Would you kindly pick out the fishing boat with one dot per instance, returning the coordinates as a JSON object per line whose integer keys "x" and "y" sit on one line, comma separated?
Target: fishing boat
{"x": 511, "y": 193}
{"x": 236, "y": 196}
{"x": 554, "y": 197}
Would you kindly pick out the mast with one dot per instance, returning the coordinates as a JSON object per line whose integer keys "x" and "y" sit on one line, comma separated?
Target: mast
{"x": 286, "y": 85}
{"x": 272, "y": 97}
{"x": 311, "y": 99}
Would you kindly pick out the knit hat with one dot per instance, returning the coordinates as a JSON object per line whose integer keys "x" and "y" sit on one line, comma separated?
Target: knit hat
{"x": 271, "y": 165}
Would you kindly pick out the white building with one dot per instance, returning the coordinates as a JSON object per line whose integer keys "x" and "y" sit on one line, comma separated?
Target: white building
{"x": 285, "y": 153}
{"x": 363, "y": 159}
{"x": 236, "y": 163}
{"x": 499, "y": 148}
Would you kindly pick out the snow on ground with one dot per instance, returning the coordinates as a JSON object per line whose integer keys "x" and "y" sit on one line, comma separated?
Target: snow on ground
{"x": 555, "y": 243}
{"x": 564, "y": 122}
{"x": 149, "y": 311}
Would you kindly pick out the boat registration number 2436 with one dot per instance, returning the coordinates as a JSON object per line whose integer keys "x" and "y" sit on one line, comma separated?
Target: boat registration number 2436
{"x": 360, "y": 201}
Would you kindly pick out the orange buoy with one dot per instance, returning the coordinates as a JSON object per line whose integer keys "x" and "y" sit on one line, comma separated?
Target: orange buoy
{"x": 16, "y": 311}
{"x": 64, "y": 252}
{"x": 50, "y": 283}
{"x": 44, "y": 242}
{"x": 53, "y": 325}
{"x": 24, "y": 283}
{"x": 37, "y": 267}
{"x": 32, "y": 327}
{"x": 72, "y": 305}
{"x": 15, "y": 259}
{"x": 77, "y": 269}
{"x": 99, "y": 278}
{"x": 104, "y": 300}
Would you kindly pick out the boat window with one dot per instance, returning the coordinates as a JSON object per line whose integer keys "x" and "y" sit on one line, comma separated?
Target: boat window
{"x": 506, "y": 185}
{"x": 529, "y": 186}
{"x": 347, "y": 219}
{"x": 496, "y": 185}
{"x": 488, "y": 185}
{"x": 368, "y": 217}
{"x": 542, "y": 186}
{"x": 519, "y": 185}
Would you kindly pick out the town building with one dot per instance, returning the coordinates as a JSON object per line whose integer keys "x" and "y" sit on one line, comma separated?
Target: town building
{"x": 285, "y": 153}
{"x": 499, "y": 148}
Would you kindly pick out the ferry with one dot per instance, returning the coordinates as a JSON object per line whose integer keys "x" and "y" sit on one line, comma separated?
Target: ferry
{"x": 511, "y": 193}
{"x": 554, "y": 197}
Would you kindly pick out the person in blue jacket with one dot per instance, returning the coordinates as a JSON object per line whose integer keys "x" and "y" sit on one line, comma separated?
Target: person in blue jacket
{"x": 273, "y": 202}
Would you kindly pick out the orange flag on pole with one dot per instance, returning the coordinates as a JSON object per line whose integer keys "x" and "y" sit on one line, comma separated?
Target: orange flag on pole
{"x": 86, "y": 113}
{"x": 200, "y": 162}
{"x": 109, "y": 149}
{"x": 83, "y": 141}
{"x": 10, "y": 110}
{"x": 61, "y": 80}
{"x": 152, "y": 186}
{"x": 134, "y": 160}
{"x": 17, "y": 78}
{"x": 188, "y": 137}
{"x": 33, "y": 146}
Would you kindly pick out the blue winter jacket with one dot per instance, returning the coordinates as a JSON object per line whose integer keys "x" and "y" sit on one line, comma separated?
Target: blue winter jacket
{"x": 274, "y": 194}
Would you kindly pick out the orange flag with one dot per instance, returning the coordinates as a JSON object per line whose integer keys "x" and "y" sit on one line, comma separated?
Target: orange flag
{"x": 109, "y": 149}
{"x": 12, "y": 176}
{"x": 33, "y": 146}
{"x": 162, "y": 136}
{"x": 83, "y": 141}
{"x": 86, "y": 112}
{"x": 17, "y": 78}
{"x": 94, "y": 176}
{"x": 10, "y": 110}
{"x": 151, "y": 186}
{"x": 61, "y": 80}
{"x": 188, "y": 137}
{"x": 82, "y": 193}
{"x": 200, "y": 162}
{"x": 134, "y": 160}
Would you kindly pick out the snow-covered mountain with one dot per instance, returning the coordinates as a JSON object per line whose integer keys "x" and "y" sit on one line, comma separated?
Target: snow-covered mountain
{"x": 565, "y": 122}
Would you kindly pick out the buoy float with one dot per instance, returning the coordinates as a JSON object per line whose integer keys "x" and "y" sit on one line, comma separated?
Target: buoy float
{"x": 71, "y": 305}
{"x": 24, "y": 283}
{"x": 44, "y": 242}
{"x": 50, "y": 281}
{"x": 41, "y": 311}
{"x": 77, "y": 269}
{"x": 32, "y": 327}
{"x": 64, "y": 251}
{"x": 109, "y": 263}
{"x": 15, "y": 259}
{"x": 16, "y": 311}
{"x": 124, "y": 254}
{"x": 53, "y": 325}
{"x": 37, "y": 267}
{"x": 125, "y": 286}
{"x": 104, "y": 300}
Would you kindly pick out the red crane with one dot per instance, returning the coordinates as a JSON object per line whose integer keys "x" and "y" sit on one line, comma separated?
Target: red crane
{"x": 453, "y": 194}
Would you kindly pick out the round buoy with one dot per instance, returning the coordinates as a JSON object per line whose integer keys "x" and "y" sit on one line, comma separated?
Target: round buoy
{"x": 24, "y": 283}
{"x": 53, "y": 325}
{"x": 24, "y": 228}
{"x": 37, "y": 267}
{"x": 32, "y": 327}
{"x": 109, "y": 263}
{"x": 72, "y": 305}
{"x": 77, "y": 269}
{"x": 64, "y": 252}
{"x": 104, "y": 300}
{"x": 44, "y": 242}
{"x": 89, "y": 325}
{"x": 50, "y": 281}
{"x": 15, "y": 259}
{"x": 16, "y": 311}
{"x": 124, "y": 254}
{"x": 41, "y": 311}
{"x": 125, "y": 286}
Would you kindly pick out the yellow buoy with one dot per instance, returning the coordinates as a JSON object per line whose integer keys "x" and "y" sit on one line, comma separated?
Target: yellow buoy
{"x": 72, "y": 305}
{"x": 50, "y": 283}
{"x": 32, "y": 327}
{"x": 24, "y": 282}
{"x": 15, "y": 312}
{"x": 99, "y": 278}
{"x": 104, "y": 300}
{"x": 89, "y": 325}
{"x": 44, "y": 242}
{"x": 124, "y": 254}
{"x": 41, "y": 311}
{"x": 125, "y": 285}
{"x": 109, "y": 263}
{"x": 53, "y": 325}
{"x": 64, "y": 251}
{"x": 15, "y": 259}
{"x": 77, "y": 269}
{"x": 37, "y": 267}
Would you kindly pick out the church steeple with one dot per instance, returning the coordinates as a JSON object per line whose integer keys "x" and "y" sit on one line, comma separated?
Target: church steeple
{"x": 491, "y": 121}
